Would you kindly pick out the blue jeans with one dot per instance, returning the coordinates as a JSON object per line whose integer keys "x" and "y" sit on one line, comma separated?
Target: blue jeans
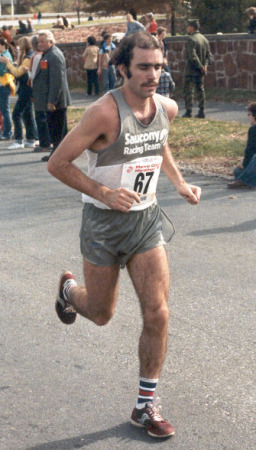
{"x": 92, "y": 80}
{"x": 5, "y": 110}
{"x": 247, "y": 175}
{"x": 109, "y": 78}
{"x": 23, "y": 111}
{"x": 43, "y": 129}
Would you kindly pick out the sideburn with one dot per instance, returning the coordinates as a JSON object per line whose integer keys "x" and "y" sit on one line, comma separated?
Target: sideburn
{"x": 128, "y": 73}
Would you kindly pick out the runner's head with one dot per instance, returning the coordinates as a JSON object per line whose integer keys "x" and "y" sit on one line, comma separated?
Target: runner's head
{"x": 123, "y": 55}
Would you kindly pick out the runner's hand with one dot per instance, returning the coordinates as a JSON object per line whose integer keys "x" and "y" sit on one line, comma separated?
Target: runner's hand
{"x": 191, "y": 193}
{"x": 121, "y": 199}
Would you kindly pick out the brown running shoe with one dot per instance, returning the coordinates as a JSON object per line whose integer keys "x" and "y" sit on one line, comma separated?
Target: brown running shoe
{"x": 149, "y": 417}
{"x": 64, "y": 310}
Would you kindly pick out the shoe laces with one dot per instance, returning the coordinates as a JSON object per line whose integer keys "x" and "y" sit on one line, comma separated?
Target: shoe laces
{"x": 155, "y": 410}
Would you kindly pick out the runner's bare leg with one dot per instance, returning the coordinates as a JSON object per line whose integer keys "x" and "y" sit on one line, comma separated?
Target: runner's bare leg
{"x": 97, "y": 300}
{"x": 149, "y": 272}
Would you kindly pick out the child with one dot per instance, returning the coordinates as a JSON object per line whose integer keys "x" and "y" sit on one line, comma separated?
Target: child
{"x": 251, "y": 12}
{"x": 245, "y": 172}
{"x": 90, "y": 57}
{"x": 166, "y": 84}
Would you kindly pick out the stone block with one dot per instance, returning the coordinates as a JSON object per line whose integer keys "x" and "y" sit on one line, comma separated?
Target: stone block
{"x": 243, "y": 46}
{"x": 210, "y": 80}
{"x": 232, "y": 82}
{"x": 242, "y": 61}
{"x": 229, "y": 64}
{"x": 221, "y": 82}
{"x": 213, "y": 47}
{"x": 230, "y": 46}
{"x": 252, "y": 63}
{"x": 242, "y": 79}
{"x": 221, "y": 47}
{"x": 219, "y": 66}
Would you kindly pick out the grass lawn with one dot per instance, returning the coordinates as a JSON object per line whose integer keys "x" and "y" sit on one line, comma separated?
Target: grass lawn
{"x": 212, "y": 145}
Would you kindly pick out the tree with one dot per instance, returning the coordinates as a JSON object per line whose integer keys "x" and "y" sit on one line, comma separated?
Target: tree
{"x": 24, "y": 6}
{"x": 108, "y": 7}
{"x": 224, "y": 16}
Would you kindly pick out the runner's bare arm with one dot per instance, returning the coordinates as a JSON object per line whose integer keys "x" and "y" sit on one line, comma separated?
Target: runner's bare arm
{"x": 94, "y": 123}
{"x": 190, "y": 192}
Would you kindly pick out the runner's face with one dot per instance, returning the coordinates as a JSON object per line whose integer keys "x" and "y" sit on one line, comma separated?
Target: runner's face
{"x": 145, "y": 69}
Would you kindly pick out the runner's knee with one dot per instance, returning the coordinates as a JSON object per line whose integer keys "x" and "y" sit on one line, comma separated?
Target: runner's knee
{"x": 156, "y": 318}
{"x": 101, "y": 316}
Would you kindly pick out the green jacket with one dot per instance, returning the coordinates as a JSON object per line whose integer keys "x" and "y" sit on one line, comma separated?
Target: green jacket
{"x": 197, "y": 54}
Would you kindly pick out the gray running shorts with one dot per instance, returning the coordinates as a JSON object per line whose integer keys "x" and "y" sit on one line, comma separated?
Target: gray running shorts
{"x": 110, "y": 237}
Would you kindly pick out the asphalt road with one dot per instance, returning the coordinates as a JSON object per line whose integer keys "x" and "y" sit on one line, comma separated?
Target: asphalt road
{"x": 74, "y": 387}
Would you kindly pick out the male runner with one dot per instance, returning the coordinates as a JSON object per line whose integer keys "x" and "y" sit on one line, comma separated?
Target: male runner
{"x": 126, "y": 134}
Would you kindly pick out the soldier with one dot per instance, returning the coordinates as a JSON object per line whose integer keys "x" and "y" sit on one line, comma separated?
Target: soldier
{"x": 198, "y": 57}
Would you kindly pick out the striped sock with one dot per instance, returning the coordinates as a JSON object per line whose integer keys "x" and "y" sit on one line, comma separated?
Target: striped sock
{"x": 146, "y": 391}
{"x": 68, "y": 285}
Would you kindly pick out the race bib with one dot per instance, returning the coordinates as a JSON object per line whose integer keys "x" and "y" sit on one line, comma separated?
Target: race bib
{"x": 142, "y": 176}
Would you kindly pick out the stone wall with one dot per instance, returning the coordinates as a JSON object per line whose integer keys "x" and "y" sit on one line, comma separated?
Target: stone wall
{"x": 234, "y": 58}
{"x": 73, "y": 43}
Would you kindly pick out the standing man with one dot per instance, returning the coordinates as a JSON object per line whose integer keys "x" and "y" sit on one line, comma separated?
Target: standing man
{"x": 198, "y": 57}
{"x": 122, "y": 222}
{"x": 50, "y": 88}
{"x": 133, "y": 26}
{"x": 105, "y": 64}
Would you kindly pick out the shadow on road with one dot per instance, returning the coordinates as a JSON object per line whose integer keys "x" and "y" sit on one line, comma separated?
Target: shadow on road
{"x": 250, "y": 225}
{"x": 124, "y": 433}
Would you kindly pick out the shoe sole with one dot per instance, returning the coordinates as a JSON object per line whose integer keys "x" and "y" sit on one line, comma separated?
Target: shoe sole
{"x": 139, "y": 425}
{"x": 66, "y": 318}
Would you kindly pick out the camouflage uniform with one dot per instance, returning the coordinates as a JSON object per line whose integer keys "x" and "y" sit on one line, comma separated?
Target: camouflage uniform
{"x": 198, "y": 56}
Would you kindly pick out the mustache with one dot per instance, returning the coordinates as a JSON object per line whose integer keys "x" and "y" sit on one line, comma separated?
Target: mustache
{"x": 149, "y": 83}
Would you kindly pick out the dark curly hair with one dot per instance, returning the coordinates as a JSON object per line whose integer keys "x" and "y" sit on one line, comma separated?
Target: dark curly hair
{"x": 252, "y": 108}
{"x": 124, "y": 52}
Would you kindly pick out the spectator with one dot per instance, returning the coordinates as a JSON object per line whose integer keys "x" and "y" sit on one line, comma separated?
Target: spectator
{"x": 245, "y": 172}
{"x": 22, "y": 28}
{"x": 59, "y": 23}
{"x": 6, "y": 34}
{"x": 166, "y": 84}
{"x": 90, "y": 58}
{"x": 50, "y": 88}
{"x": 7, "y": 86}
{"x": 251, "y": 12}
{"x": 66, "y": 22}
{"x": 39, "y": 17}
{"x": 29, "y": 26}
{"x": 161, "y": 34}
{"x": 132, "y": 11}
{"x": 151, "y": 25}
{"x": 133, "y": 26}
{"x": 105, "y": 66}
{"x": 23, "y": 111}
{"x": 12, "y": 31}
{"x": 198, "y": 57}
{"x": 41, "y": 116}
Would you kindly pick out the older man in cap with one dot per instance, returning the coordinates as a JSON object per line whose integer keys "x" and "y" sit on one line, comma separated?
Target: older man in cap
{"x": 198, "y": 57}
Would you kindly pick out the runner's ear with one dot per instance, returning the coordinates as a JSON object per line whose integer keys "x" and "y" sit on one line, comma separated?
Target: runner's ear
{"x": 123, "y": 70}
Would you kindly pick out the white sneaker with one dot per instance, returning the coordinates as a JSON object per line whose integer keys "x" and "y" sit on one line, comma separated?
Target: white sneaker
{"x": 29, "y": 144}
{"x": 15, "y": 145}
